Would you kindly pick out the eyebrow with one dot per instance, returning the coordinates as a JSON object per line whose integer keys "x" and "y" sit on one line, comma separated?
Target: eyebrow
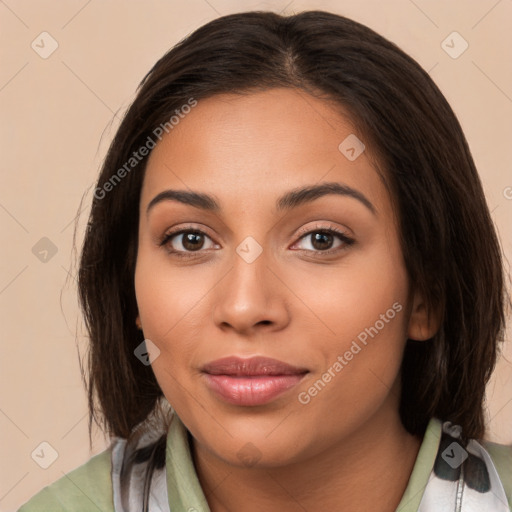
{"x": 289, "y": 200}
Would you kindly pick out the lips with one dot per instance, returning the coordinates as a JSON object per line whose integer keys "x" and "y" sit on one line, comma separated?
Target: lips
{"x": 250, "y": 382}
{"x": 255, "y": 366}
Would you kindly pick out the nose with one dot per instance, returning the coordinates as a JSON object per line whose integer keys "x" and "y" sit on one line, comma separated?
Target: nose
{"x": 251, "y": 297}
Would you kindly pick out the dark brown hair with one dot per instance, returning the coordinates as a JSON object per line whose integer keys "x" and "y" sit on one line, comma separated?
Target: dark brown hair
{"x": 448, "y": 240}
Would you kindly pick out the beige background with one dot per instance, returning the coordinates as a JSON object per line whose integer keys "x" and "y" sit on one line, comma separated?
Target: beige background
{"x": 58, "y": 117}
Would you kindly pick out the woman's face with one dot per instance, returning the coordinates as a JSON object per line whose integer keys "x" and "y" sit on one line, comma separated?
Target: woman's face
{"x": 314, "y": 281}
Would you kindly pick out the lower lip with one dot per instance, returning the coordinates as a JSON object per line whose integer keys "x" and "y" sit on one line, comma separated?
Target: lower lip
{"x": 248, "y": 391}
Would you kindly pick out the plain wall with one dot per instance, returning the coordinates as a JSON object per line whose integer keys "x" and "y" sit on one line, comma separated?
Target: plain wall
{"x": 58, "y": 116}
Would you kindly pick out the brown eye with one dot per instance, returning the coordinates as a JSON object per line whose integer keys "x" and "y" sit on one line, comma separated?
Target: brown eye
{"x": 192, "y": 241}
{"x": 186, "y": 241}
{"x": 324, "y": 241}
{"x": 321, "y": 241}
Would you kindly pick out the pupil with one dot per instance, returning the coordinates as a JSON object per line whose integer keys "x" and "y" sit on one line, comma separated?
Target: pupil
{"x": 192, "y": 241}
{"x": 320, "y": 238}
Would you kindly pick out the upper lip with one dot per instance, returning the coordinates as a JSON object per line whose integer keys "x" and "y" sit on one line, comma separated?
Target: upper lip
{"x": 253, "y": 366}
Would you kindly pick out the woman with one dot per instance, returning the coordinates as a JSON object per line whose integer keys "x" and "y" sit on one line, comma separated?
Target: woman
{"x": 292, "y": 285}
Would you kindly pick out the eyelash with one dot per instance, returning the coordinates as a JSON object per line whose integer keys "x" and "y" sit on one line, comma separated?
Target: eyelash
{"x": 331, "y": 230}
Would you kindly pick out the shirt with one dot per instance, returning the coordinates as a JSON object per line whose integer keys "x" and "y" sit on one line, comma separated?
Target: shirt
{"x": 445, "y": 476}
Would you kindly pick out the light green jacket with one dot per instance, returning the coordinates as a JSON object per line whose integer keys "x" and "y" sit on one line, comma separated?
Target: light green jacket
{"x": 89, "y": 487}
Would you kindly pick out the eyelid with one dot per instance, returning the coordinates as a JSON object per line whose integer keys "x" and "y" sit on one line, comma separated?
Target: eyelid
{"x": 346, "y": 239}
{"x": 327, "y": 227}
{"x": 169, "y": 234}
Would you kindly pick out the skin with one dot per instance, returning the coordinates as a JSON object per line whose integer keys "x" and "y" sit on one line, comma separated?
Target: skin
{"x": 291, "y": 304}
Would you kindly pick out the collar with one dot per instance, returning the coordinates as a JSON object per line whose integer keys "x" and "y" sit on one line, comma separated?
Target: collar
{"x": 445, "y": 477}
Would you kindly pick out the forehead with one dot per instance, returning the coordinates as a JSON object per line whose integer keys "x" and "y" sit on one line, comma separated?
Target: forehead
{"x": 259, "y": 145}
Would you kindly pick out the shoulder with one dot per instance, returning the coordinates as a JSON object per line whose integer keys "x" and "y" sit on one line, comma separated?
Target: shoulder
{"x": 88, "y": 487}
{"x": 501, "y": 456}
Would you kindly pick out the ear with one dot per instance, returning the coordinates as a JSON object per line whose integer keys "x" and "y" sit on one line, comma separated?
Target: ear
{"x": 423, "y": 323}
{"x": 137, "y": 322}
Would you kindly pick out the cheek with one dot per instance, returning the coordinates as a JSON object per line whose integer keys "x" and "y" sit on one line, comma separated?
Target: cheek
{"x": 360, "y": 370}
{"x": 167, "y": 296}
{"x": 345, "y": 300}
{"x": 170, "y": 302}
{"x": 362, "y": 308}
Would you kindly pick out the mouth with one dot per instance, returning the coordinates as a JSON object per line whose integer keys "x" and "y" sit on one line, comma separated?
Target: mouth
{"x": 251, "y": 382}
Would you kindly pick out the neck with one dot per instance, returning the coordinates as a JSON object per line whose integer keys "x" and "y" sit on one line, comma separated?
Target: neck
{"x": 368, "y": 471}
